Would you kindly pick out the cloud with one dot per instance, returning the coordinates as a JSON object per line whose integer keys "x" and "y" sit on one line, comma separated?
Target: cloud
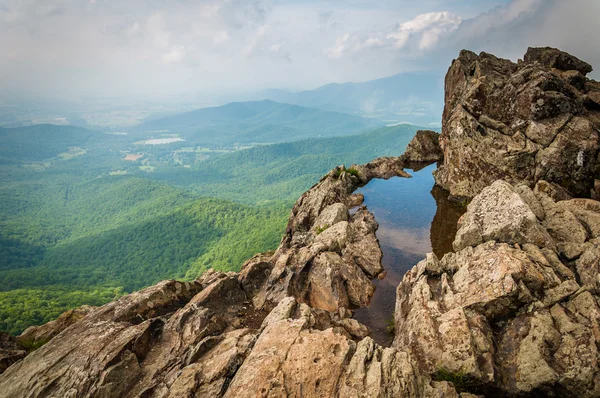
{"x": 348, "y": 44}
{"x": 425, "y": 30}
{"x": 174, "y": 56}
{"x": 156, "y": 29}
{"x": 339, "y": 48}
{"x": 262, "y": 45}
{"x": 435, "y": 38}
{"x": 117, "y": 47}
{"x": 280, "y": 50}
{"x": 221, "y": 38}
{"x": 252, "y": 47}
{"x": 420, "y": 33}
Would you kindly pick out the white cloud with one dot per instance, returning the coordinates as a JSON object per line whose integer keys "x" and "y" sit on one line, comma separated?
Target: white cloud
{"x": 174, "y": 56}
{"x": 221, "y": 38}
{"x": 425, "y": 30}
{"x": 111, "y": 45}
{"x": 255, "y": 42}
{"x": 339, "y": 48}
{"x": 133, "y": 29}
{"x": 280, "y": 50}
{"x": 422, "y": 33}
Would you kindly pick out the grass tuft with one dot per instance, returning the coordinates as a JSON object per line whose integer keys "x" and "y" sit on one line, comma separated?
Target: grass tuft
{"x": 352, "y": 171}
{"x": 322, "y": 228}
{"x": 461, "y": 381}
{"x": 31, "y": 345}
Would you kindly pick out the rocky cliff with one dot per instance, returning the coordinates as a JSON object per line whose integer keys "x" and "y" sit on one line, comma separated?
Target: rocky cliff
{"x": 537, "y": 119}
{"x": 512, "y": 311}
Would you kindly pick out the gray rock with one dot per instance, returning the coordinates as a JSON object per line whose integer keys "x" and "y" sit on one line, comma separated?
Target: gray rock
{"x": 487, "y": 219}
{"x": 423, "y": 148}
{"x": 520, "y": 122}
{"x": 554, "y": 58}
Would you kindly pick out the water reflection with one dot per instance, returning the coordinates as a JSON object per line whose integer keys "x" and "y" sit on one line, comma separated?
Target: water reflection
{"x": 414, "y": 219}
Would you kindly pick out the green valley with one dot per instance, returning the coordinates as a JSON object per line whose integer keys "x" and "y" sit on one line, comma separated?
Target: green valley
{"x": 88, "y": 216}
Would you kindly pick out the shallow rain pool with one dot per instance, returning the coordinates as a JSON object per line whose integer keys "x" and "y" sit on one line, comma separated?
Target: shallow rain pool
{"x": 414, "y": 218}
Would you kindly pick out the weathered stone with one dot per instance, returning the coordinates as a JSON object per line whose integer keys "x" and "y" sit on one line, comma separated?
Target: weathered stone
{"x": 587, "y": 212}
{"x": 319, "y": 222}
{"x": 423, "y": 148}
{"x": 487, "y": 220}
{"x": 519, "y": 122}
{"x": 588, "y": 267}
{"x": 552, "y": 190}
{"x": 529, "y": 197}
{"x": 363, "y": 246}
{"x": 335, "y": 237}
{"x": 42, "y": 334}
{"x": 253, "y": 275}
{"x": 331, "y": 215}
{"x": 284, "y": 310}
{"x": 504, "y": 314}
{"x": 539, "y": 352}
{"x": 289, "y": 360}
{"x": 554, "y": 58}
{"x": 354, "y": 328}
{"x": 334, "y": 283}
{"x": 211, "y": 369}
{"x": 355, "y": 200}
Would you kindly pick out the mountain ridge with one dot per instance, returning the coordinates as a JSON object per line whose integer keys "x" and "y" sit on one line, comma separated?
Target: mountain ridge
{"x": 415, "y": 97}
{"x": 246, "y": 122}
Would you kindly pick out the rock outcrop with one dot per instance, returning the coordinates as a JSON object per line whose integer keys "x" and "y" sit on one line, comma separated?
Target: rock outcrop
{"x": 281, "y": 326}
{"x": 39, "y": 335}
{"x": 515, "y": 311}
{"x": 424, "y": 148}
{"x": 537, "y": 119}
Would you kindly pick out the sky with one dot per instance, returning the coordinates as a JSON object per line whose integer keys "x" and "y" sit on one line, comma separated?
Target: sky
{"x": 99, "y": 48}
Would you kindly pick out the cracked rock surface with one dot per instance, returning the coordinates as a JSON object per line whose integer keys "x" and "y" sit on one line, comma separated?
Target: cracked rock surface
{"x": 537, "y": 119}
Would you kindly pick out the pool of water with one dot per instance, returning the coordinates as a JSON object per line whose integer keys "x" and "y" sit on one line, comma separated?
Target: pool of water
{"x": 414, "y": 218}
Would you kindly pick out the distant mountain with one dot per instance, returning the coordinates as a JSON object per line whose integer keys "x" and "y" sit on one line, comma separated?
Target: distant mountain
{"x": 416, "y": 98}
{"x": 256, "y": 122}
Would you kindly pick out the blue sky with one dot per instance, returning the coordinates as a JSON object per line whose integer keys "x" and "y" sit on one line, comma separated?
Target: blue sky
{"x": 71, "y": 48}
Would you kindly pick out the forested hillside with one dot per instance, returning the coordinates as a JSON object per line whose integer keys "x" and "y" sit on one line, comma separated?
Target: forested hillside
{"x": 83, "y": 223}
{"x": 256, "y": 122}
{"x": 40, "y": 142}
{"x": 284, "y": 171}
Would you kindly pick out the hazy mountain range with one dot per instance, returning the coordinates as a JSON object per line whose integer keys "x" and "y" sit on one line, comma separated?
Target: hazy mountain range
{"x": 416, "y": 98}
{"x": 256, "y": 122}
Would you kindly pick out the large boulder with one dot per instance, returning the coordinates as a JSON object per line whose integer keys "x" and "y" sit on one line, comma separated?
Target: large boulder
{"x": 521, "y": 122}
{"x": 554, "y": 58}
{"x": 487, "y": 219}
{"x": 423, "y": 148}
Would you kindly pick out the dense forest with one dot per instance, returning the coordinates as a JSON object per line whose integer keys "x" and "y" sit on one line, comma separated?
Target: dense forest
{"x": 83, "y": 223}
